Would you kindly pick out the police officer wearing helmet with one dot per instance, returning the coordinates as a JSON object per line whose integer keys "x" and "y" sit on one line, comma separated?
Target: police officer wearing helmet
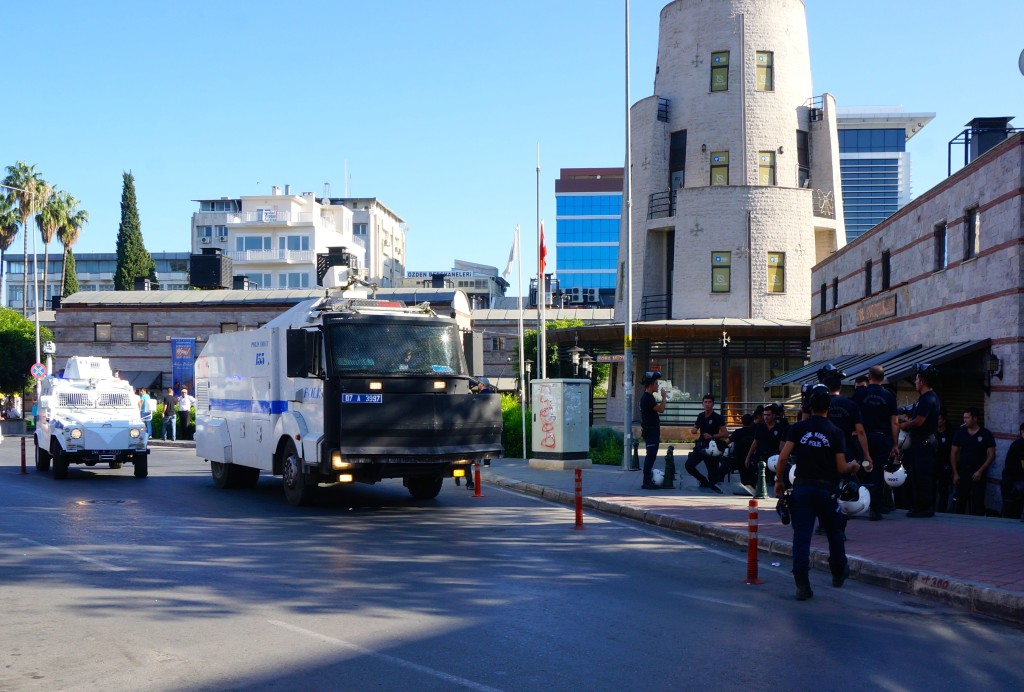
{"x": 650, "y": 424}
{"x": 921, "y": 425}
{"x": 819, "y": 448}
{"x": 845, "y": 415}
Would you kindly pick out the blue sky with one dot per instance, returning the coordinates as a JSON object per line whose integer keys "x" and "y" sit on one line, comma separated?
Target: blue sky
{"x": 437, "y": 108}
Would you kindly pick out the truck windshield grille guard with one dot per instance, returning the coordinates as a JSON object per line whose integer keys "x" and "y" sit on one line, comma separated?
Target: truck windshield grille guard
{"x": 395, "y": 348}
{"x": 87, "y": 400}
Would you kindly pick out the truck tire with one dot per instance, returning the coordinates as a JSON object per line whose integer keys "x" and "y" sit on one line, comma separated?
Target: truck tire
{"x": 42, "y": 459}
{"x": 141, "y": 464}
{"x": 60, "y": 462}
{"x": 296, "y": 490}
{"x": 424, "y": 487}
{"x": 224, "y": 475}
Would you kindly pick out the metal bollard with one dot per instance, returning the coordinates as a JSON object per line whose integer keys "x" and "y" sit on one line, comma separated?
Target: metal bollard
{"x": 636, "y": 455}
{"x": 23, "y": 470}
{"x": 761, "y": 491}
{"x": 670, "y": 469}
{"x": 476, "y": 480}
{"x": 752, "y": 544}
{"x": 579, "y": 501}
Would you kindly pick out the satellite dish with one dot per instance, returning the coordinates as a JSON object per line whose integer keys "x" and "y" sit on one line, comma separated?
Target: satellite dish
{"x": 1020, "y": 62}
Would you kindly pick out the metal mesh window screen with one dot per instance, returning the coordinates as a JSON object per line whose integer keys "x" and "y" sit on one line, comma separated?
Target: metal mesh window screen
{"x": 395, "y": 348}
{"x": 115, "y": 399}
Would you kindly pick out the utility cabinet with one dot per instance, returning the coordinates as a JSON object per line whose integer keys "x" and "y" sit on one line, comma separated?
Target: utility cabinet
{"x": 560, "y": 417}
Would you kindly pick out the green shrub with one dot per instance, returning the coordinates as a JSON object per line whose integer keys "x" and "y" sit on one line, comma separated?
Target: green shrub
{"x": 605, "y": 446}
{"x": 512, "y": 430}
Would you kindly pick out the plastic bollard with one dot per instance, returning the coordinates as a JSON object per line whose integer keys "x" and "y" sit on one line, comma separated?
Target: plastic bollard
{"x": 476, "y": 480}
{"x": 23, "y": 470}
{"x": 752, "y": 544}
{"x": 579, "y": 501}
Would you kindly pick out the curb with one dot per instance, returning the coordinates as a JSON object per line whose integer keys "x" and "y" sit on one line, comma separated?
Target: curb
{"x": 971, "y": 596}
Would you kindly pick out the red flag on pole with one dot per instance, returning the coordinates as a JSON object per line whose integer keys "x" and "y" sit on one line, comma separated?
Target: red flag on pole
{"x": 543, "y": 253}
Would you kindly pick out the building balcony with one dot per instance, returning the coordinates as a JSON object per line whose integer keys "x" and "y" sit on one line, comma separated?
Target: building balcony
{"x": 262, "y": 217}
{"x": 273, "y": 256}
{"x": 661, "y": 204}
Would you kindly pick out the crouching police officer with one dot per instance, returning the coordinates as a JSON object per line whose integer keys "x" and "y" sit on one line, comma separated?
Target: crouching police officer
{"x": 820, "y": 452}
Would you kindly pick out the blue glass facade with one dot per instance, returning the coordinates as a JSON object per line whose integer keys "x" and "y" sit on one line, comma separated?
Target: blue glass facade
{"x": 587, "y": 239}
{"x": 871, "y": 185}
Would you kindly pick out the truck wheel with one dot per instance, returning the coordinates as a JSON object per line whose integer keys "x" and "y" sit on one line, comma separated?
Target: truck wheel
{"x": 141, "y": 464}
{"x": 115, "y": 464}
{"x": 224, "y": 475}
{"x": 424, "y": 487}
{"x": 60, "y": 462}
{"x": 42, "y": 459}
{"x": 296, "y": 490}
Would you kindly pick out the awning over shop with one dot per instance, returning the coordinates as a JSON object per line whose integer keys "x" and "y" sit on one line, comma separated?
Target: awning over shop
{"x": 898, "y": 363}
{"x": 142, "y": 378}
{"x": 809, "y": 372}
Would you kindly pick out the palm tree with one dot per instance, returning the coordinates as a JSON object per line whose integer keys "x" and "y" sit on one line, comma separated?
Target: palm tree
{"x": 50, "y": 218}
{"x": 74, "y": 221}
{"x": 28, "y": 188}
{"x": 8, "y": 230}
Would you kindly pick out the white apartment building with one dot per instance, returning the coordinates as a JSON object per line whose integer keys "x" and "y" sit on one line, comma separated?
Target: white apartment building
{"x": 381, "y": 234}
{"x": 273, "y": 239}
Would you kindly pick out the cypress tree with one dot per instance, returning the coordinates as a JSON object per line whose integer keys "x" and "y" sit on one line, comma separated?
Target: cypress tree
{"x": 70, "y": 276}
{"x": 133, "y": 260}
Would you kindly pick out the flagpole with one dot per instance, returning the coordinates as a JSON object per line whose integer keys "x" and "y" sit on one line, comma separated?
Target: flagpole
{"x": 542, "y": 341}
{"x": 627, "y": 336}
{"x": 522, "y": 345}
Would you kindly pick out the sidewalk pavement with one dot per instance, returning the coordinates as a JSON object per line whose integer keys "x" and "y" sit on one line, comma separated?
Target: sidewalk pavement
{"x": 976, "y": 563}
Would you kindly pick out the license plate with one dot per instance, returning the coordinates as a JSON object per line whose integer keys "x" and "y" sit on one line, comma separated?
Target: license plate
{"x": 362, "y": 398}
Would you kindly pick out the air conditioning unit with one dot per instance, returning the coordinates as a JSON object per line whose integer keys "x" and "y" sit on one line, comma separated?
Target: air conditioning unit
{"x": 204, "y": 239}
{"x": 575, "y": 295}
{"x": 590, "y": 295}
{"x": 222, "y": 238}
{"x": 816, "y": 114}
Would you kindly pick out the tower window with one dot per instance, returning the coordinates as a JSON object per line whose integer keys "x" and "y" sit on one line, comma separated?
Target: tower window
{"x": 720, "y": 71}
{"x": 719, "y": 168}
{"x": 721, "y": 272}
{"x": 776, "y": 272}
{"x": 765, "y": 71}
{"x": 972, "y": 240}
{"x": 766, "y": 168}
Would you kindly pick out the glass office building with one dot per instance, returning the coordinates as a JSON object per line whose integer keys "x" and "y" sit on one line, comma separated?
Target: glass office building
{"x": 589, "y": 208}
{"x": 874, "y": 164}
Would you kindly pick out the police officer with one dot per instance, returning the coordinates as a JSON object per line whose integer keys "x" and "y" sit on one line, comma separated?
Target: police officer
{"x": 650, "y": 424}
{"x": 819, "y": 449}
{"x": 921, "y": 425}
{"x": 877, "y": 407}
{"x": 709, "y": 428}
{"x": 845, "y": 415}
{"x": 769, "y": 436}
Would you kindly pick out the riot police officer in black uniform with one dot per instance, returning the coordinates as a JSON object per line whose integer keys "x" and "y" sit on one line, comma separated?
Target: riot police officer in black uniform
{"x": 922, "y": 425}
{"x": 819, "y": 449}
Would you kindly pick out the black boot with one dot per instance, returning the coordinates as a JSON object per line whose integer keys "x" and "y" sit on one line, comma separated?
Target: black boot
{"x": 844, "y": 574}
{"x": 803, "y": 586}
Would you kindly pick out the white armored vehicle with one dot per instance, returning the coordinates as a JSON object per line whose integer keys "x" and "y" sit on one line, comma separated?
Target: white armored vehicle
{"x": 88, "y": 416}
{"x": 340, "y": 390}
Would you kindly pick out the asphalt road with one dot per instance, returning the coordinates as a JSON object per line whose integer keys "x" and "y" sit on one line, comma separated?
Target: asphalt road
{"x": 166, "y": 583}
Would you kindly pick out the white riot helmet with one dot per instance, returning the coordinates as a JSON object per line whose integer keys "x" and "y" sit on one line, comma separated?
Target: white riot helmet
{"x": 713, "y": 450}
{"x": 773, "y": 463}
{"x": 854, "y": 499}
{"x": 896, "y": 477}
{"x": 658, "y": 477}
{"x": 792, "y": 474}
{"x": 904, "y": 441}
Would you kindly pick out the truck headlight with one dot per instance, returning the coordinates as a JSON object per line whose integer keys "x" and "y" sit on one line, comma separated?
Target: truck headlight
{"x": 76, "y": 433}
{"x": 134, "y": 432}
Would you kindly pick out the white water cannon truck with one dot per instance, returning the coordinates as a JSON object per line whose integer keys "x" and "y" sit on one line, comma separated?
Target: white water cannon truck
{"x": 88, "y": 416}
{"x": 343, "y": 389}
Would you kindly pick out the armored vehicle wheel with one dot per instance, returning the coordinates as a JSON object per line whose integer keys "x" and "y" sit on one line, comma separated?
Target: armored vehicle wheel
{"x": 60, "y": 462}
{"x": 224, "y": 475}
{"x": 296, "y": 490}
{"x": 141, "y": 464}
{"x": 424, "y": 488}
{"x": 115, "y": 464}
{"x": 42, "y": 459}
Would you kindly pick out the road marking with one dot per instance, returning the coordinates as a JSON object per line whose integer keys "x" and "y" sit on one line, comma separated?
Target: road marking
{"x": 401, "y": 662}
{"x": 77, "y": 556}
{"x": 719, "y": 601}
